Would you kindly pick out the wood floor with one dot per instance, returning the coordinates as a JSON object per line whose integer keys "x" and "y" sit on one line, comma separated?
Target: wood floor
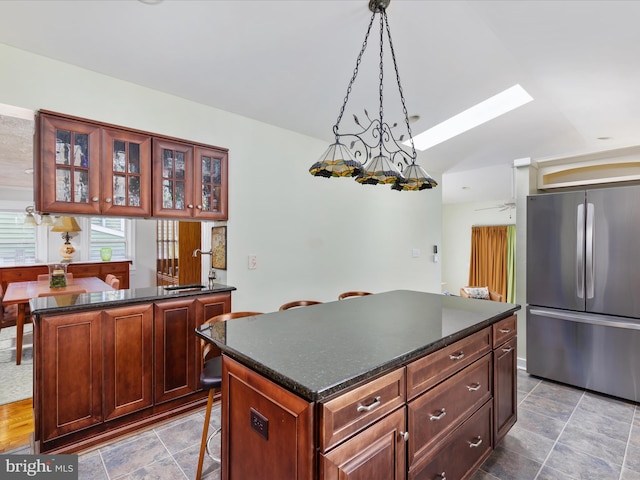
{"x": 16, "y": 424}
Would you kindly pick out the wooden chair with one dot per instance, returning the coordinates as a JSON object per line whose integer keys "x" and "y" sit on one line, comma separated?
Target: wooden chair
{"x": 112, "y": 281}
{"x": 494, "y": 296}
{"x": 344, "y": 295}
{"x": 211, "y": 379}
{"x": 298, "y": 303}
{"x": 8, "y": 314}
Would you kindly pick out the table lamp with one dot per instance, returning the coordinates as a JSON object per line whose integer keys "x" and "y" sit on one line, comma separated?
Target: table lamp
{"x": 66, "y": 225}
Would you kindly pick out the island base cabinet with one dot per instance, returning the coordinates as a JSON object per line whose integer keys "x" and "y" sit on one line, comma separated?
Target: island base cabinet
{"x": 69, "y": 374}
{"x": 267, "y": 430}
{"x": 377, "y": 452}
{"x": 461, "y": 453}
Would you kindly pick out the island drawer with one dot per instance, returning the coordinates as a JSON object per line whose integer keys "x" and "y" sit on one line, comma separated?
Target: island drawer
{"x": 504, "y": 330}
{"x": 427, "y": 371}
{"x": 461, "y": 453}
{"x": 349, "y": 413}
{"x": 438, "y": 411}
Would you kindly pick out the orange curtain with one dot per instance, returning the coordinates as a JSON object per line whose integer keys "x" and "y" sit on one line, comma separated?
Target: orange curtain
{"x": 489, "y": 258}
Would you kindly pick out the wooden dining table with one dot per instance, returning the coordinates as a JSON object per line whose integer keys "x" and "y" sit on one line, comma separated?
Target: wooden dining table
{"x": 19, "y": 293}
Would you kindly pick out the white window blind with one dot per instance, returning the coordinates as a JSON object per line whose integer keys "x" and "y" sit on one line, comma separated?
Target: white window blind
{"x": 17, "y": 241}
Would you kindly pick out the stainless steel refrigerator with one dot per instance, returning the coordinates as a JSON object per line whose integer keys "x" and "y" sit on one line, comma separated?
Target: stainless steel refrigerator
{"x": 583, "y": 289}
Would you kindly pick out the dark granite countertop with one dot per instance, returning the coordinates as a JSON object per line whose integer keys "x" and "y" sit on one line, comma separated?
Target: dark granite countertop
{"x": 319, "y": 350}
{"x": 116, "y": 298}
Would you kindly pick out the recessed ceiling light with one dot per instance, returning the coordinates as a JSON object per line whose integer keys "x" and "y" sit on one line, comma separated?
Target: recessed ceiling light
{"x": 493, "y": 107}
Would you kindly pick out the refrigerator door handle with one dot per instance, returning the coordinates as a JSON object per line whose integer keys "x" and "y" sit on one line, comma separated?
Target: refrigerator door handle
{"x": 589, "y": 251}
{"x": 580, "y": 252}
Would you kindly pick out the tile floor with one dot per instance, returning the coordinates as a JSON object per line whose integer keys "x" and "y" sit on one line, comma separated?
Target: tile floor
{"x": 562, "y": 433}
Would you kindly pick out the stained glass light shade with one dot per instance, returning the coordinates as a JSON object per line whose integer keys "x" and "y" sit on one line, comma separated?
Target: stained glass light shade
{"x": 379, "y": 170}
{"x": 415, "y": 178}
{"x": 336, "y": 161}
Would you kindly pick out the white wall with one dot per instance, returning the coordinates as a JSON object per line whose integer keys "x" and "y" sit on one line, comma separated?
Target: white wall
{"x": 313, "y": 237}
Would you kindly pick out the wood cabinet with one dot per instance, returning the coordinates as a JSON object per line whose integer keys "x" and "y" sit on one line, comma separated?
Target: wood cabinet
{"x": 272, "y": 428}
{"x": 505, "y": 366}
{"x": 70, "y": 378}
{"x": 128, "y": 359}
{"x": 435, "y": 417}
{"x": 85, "y": 168}
{"x": 89, "y": 167}
{"x": 101, "y": 374}
{"x": 377, "y": 452}
{"x": 189, "y": 181}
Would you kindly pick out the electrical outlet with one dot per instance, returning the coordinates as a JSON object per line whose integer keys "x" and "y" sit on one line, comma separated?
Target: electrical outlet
{"x": 253, "y": 262}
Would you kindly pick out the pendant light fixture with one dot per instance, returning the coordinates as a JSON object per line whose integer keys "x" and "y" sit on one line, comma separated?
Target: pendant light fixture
{"x": 383, "y": 160}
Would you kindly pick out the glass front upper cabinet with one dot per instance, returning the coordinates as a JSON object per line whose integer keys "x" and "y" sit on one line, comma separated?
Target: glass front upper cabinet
{"x": 211, "y": 183}
{"x": 79, "y": 173}
{"x": 69, "y": 166}
{"x": 173, "y": 179}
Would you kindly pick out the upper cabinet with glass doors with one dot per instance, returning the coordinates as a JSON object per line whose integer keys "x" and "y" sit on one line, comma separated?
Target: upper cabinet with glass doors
{"x": 189, "y": 181}
{"x": 86, "y": 168}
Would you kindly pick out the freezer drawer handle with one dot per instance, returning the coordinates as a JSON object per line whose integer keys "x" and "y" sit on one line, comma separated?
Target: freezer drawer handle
{"x": 367, "y": 408}
{"x": 504, "y": 330}
{"x": 476, "y": 443}
{"x": 457, "y": 356}
{"x": 440, "y": 416}
{"x": 474, "y": 388}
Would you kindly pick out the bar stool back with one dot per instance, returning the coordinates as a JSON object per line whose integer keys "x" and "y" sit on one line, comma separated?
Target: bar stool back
{"x": 298, "y": 303}
{"x": 211, "y": 380}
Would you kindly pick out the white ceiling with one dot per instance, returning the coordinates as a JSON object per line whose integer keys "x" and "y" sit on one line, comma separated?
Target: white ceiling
{"x": 288, "y": 63}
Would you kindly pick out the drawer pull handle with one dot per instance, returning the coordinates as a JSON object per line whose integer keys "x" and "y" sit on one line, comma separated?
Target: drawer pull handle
{"x": 507, "y": 350}
{"x": 442, "y": 476}
{"x": 504, "y": 330}
{"x": 474, "y": 388}
{"x": 457, "y": 356}
{"x": 440, "y": 416}
{"x": 476, "y": 443}
{"x": 367, "y": 408}
{"x": 404, "y": 436}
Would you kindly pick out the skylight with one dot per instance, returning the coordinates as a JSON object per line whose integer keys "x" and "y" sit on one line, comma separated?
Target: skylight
{"x": 491, "y": 108}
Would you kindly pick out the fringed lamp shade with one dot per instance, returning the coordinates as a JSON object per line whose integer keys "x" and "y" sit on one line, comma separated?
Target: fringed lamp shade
{"x": 379, "y": 170}
{"x": 415, "y": 178}
{"x": 337, "y": 161}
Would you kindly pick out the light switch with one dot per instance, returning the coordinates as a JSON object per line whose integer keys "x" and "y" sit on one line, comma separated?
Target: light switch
{"x": 415, "y": 253}
{"x": 253, "y": 262}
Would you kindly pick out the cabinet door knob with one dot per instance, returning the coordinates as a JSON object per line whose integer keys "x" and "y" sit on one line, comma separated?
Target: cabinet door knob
{"x": 107, "y": 200}
{"x": 367, "y": 408}
{"x": 199, "y": 207}
{"x": 94, "y": 199}
{"x": 443, "y": 476}
{"x": 439, "y": 416}
{"x": 190, "y": 205}
{"x": 404, "y": 436}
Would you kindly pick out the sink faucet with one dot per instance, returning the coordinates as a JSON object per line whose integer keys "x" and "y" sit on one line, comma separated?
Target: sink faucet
{"x": 197, "y": 250}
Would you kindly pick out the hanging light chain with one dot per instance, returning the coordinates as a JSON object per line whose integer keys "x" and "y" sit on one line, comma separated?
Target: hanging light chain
{"x": 404, "y": 107}
{"x": 381, "y": 75}
{"x": 355, "y": 74}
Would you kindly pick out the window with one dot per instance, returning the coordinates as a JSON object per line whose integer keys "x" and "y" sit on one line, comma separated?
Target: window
{"x": 109, "y": 232}
{"x": 17, "y": 241}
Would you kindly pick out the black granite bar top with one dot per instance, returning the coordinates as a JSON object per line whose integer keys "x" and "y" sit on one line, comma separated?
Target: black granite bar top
{"x": 116, "y": 298}
{"x": 319, "y": 350}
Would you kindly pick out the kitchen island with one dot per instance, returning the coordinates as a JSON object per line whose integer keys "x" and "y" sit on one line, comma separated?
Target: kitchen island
{"x": 394, "y": 385}
{"x": 107, "y": 364}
